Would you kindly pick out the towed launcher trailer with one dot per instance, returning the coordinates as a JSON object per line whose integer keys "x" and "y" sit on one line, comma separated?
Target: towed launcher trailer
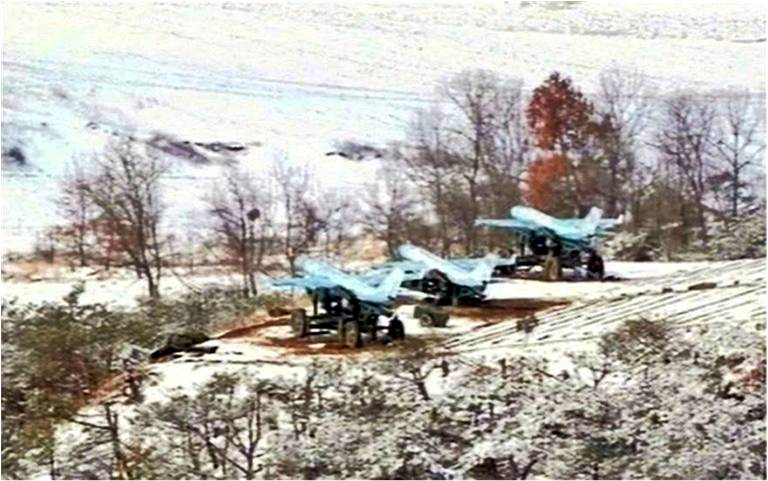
{"x": 556, "y": 243}
{"x": 444, "y": 292}
{"x": 446, "y": 281}
{"x": 338, "y": 309}
{"x": 353, "y": 305}
{"x": 344, "y": 303}
{"x": 553, "y": 257}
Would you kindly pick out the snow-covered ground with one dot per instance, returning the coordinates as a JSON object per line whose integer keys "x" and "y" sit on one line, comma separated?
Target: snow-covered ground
{"x": 294, "y": 79}
{"x": 596, "y": 308}
{"x": 729, "y": 293}
{"x": 121, "y": 287}
{"x": 735, "y": 295}
{"x": 120, "y": 290}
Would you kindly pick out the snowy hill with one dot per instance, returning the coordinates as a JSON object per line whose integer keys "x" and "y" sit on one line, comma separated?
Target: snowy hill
{"x": 299, "y": 78}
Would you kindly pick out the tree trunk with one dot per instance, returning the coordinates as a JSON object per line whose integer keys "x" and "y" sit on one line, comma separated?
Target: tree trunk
{"x": 252, "y": 283}
{"x": 152, "y": 285}
{"x": 735, "y": 190}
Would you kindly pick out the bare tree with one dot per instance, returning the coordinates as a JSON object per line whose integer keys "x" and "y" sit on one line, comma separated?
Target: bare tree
{"x": 237, "y": 205}
{"x": 107, "y": 243}
{"x": 123, "y": 460}
{"x": 430, "y": 168}
{"x": 78, "y": 209}
{"x": 483, "y": 110}
{"x": 623, "y": 99}
{"x": 390, "y": 205}
{"x": 467, "y": 155}
{"x": 301, "y": 222}
{"x": 223, "y": 424}
{"x": 685, "y": 141}
{"x": 509, "y": 149}
{"x": 739, "y": 143}
{"x": 125, "y": 187}
{"x": 335, "y": 220}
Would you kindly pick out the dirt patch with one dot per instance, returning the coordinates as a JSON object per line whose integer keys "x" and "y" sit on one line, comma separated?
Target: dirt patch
{"x": 332, "y": 347}
{"x": 253, "y": 329}
{"x": 319, "y": 343}
{"x": 502, "y": 309}
{"x": 327, "y": 344}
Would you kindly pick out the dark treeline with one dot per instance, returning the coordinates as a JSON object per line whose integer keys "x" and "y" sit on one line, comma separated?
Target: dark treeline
{"x": 684, "y": 169}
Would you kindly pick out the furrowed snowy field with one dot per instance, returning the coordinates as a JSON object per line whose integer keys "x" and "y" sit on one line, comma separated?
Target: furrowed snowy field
{"x": 294, "y": 79}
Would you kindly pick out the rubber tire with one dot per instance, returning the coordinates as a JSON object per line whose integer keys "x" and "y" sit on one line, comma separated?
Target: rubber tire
{"x": 340, "y": 330}
{"x": 373, "y": 324}
{"x": 552, "y": 270}
{"x": 352, "y": 334}
{"x": 299, "y": 323}
{"x": 396, "y": 329}
{"x": 599, "y": 273}
{"x": 426, "y": 321}
{"x": 455, "y": 299}
{"x": 440, "y": 322}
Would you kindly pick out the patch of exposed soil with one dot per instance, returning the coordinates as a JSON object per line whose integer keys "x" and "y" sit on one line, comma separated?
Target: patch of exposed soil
{"x": 251, "y": 330}
{"x": 502, "y": 309}
{"x": 331, "y": 346}
{"x": 326, "y": 343}
{"x": 319, "y": 343}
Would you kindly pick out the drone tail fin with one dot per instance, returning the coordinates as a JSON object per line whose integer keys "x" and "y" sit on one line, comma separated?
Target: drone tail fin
{"x": 484, "y": 269}
{"x": 389, "y": 286}
{"x": 591, "y": 221}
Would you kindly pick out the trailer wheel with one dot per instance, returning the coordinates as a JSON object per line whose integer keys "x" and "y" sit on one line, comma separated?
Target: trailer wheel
{"x": 440, "y": 319}
{"x": 552, "y": 269}
{"x": 454, "y": 296}
{"x": 341, "y": 330}
{"x": 396, "y": 329}
{"x": 299, "y": 323}
{"x": 425, "y": 320}
{"x": 595, "y": 267}
{"x": 373, "y": 326}
{"x": 352, "y": 334}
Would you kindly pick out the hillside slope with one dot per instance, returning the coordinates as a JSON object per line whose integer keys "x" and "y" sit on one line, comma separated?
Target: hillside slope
{"x": 293, "y": 80}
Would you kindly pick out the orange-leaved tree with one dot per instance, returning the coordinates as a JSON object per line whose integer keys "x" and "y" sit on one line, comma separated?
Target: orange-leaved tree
{"x": 561, "y": 120}
{"x": 547, "y": 189}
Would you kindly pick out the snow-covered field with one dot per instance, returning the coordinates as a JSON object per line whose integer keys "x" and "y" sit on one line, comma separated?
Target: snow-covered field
{"x": 293, "y": 79}
{"x": 730, "y": 293}
{"x": 122, "y": 288}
